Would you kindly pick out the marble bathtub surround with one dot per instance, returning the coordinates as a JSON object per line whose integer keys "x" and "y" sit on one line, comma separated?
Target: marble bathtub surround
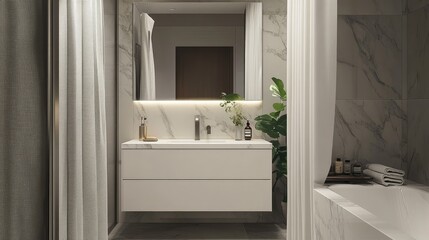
{"x": 351, "y": 220}
{"x": 371, "y": 212}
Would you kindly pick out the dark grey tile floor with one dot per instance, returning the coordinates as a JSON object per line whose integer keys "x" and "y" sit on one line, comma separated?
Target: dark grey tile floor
{"x": 199, "y": 231}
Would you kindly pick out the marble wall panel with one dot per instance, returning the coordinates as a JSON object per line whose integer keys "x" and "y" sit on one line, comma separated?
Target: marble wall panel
{"x": 369, "y": 57}
{"x": 371, "y": 111}
{"x": 274, "y": 62}
{"x": 418, "y": 54}
{"x": 175, "y": 120}
{"x": 370, "y": 131}
{"x": 414, "y": 5}
{"x": 369, "y": 7}
{"x": 418, "y": 91}
{"x": 418, "y": 140}
{"x": 274, "y": 47}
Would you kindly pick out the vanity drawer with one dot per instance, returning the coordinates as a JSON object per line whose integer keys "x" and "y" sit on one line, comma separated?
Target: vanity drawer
{"x": 196, "y": 164}
{"x": 196, "y": 195}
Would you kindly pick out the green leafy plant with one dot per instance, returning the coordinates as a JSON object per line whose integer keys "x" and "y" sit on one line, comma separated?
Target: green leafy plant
{"x": 232, "y": 107}
{"x": 274, "y": 125}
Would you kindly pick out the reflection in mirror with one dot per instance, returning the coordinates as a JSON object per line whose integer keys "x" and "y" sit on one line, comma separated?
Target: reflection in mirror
{"x": 196, "y": 51}
{"x": 144, "y": 61}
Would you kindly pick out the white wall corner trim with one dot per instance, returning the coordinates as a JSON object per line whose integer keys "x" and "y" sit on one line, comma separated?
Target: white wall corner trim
{"x": 311, "y": 87}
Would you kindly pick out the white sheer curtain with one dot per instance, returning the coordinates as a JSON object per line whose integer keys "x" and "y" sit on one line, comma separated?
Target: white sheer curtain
{"x": 311, "y": 86}
{"x": 253, "y": 52}
{"x": 147, "y": 64}
{"x": 82, "y": 121}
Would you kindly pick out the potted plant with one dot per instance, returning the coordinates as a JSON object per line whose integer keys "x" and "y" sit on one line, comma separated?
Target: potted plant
{"x": 274, "y": 125}
{"x": 234, "y": 109}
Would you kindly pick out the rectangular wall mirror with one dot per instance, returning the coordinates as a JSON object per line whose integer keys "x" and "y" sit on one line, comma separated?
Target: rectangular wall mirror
{"x": 197, "y": 50}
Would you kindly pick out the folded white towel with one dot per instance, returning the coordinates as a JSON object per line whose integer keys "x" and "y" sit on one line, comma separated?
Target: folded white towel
{"x": 385, "y": 170}
{"x": 384, "y": 179}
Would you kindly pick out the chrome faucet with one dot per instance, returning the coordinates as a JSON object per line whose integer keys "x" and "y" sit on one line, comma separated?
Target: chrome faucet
{"x": 197, "y": 127}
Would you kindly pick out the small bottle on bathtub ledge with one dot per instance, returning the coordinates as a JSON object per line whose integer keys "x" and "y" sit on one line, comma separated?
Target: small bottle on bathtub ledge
{"x": 339, "y": 166}
{"x": 347, "y": 167}
{"x": 357, "y": 169}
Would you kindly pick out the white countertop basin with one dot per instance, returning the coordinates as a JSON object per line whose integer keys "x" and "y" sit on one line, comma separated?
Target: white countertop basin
{"x": 198, "y": 144}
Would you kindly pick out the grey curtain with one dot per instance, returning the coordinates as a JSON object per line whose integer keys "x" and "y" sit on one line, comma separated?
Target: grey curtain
{"x": 24, "y": 147}
{"x": 82, "y": 121}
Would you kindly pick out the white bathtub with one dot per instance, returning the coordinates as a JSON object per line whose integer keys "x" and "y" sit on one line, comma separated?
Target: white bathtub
{"x": 346, "y": 212}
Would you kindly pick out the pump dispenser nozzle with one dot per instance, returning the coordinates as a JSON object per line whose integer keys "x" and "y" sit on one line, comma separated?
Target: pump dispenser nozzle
{"x": 143, "y": 129}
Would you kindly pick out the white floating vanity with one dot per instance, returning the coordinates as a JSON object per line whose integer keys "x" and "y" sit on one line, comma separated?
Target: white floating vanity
{"x": 189, "y": 175}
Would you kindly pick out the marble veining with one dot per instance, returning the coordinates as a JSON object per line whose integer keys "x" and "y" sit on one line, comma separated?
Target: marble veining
{"x": 271, "y": 7}
{"x": 418, "y": 88}
{"x": 170, "y": 120}
{"x": 414, "y": 5}
{"x": 333, "y": 210}
{"x": 369, "y": 131}
{"x": 369, "y": 57}
{"x": 174, "y": 120}
{"x": 418, "y": 54}
{"x": 371, "y": 110}
{"x": 383, "y": 60}
{"x": 410, "y": 204}
{"x": 275, "y": 31}
{"x": 418, "y": 136}
{"x": 274, "y": 27}
{"x": 360, "y": 212}
{"x": 198, "y": 144}
{"x": 369, "y": 7}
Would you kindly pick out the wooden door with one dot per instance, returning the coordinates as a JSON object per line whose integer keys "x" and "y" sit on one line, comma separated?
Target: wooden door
{"x": 204, "y": 72}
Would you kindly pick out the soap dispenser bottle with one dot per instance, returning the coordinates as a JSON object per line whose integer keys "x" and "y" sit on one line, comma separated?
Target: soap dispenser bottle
{"x": 247, "y": 131}
{"x": 339, "y": 166}
{"x": 143, "y": 129}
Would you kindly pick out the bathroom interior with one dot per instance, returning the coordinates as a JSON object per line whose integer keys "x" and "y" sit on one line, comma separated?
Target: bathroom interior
{"x": 263, "y": 119}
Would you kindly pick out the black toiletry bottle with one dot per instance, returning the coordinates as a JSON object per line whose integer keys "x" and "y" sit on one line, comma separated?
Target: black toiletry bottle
{"x": 347, "y": 167}
{"x": 357, "y": 169}
{"x": 248, "y": 131}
